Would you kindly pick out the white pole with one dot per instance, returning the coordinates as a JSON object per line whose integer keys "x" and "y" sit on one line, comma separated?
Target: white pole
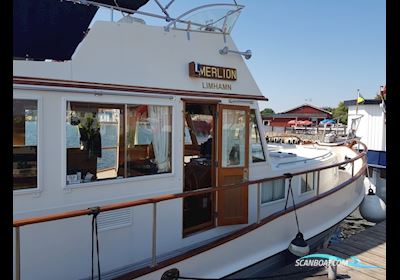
{"x": 332, "y": 271}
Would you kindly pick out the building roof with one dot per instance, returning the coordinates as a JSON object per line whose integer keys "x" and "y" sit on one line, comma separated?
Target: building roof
{"x": 307, "y": 105}
{"x": 293, "y": 116}
{"x": 348, "y": 103}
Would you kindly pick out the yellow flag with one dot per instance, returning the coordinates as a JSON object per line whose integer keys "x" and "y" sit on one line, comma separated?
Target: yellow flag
{"x": 360, "y": 99}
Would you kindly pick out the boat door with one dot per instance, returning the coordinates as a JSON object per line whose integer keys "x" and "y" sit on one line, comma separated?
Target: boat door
{"x": 233, "y": 162}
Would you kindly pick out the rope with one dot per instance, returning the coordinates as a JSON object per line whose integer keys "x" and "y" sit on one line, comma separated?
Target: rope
{"x": 294, "y": 206}
{"x": 290, "y": 189}
{"x": 369, "y": 180}
{"x": 290, "y": 176}
{"x": 95, "y": 212}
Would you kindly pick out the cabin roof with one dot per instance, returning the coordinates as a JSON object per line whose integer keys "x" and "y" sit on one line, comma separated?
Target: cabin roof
{"x": 306, "y": 105}
{"x": 136, "y": 54}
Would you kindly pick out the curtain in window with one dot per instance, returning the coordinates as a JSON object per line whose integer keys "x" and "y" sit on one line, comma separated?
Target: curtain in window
{"x": 279, "y": 189}
{"x": 160, "y": 124}
{"x": 267, "y": 192}
{"x": 272, "y": 190}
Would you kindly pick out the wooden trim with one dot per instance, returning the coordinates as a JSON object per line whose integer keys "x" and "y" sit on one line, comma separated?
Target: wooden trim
{"x": 203, "y": 248}
{"x": 190, "y": 230}
{"x": 223, "y": 172}
{"x": 115, "y": 206}
{"x": 234, "y": 235}
{"x": 189, "y": 123}
{"x": 200, "y": 101}
{"x": 92, "y": 85}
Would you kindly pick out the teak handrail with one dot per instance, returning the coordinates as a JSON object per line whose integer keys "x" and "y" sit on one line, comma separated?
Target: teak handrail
{"x": 115, "y": 206}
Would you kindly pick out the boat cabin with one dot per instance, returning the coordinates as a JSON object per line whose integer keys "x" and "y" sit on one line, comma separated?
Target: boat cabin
{"x": 140, "y": 112}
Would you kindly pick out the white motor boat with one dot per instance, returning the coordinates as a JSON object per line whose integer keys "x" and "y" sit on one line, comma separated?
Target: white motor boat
{"x": 137, "y": 151}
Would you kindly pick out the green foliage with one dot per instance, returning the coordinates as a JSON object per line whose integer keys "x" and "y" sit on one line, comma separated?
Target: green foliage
{"x": 378, "y": 97}
{"x": 340, "y": 112}
{"x": 267, "y": 111}
{"x": 329, "y": 109}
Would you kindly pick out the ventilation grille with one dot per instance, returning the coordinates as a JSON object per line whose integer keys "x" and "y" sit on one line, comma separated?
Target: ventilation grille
{"x": 115, "y": 219}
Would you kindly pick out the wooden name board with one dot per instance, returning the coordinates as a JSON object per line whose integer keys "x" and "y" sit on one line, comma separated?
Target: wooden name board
{"x": 212, "y": 72}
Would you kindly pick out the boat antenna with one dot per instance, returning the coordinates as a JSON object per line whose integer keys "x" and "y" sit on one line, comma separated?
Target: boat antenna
{"x": 298, "y": 246}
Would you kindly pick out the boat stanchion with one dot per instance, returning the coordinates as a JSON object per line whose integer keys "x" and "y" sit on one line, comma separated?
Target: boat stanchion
{"x": 172, "y": 274}
{"x": 298, "y": 246}
{"x": 154, "y": 237}
{"x": 332, "y": 271}
{"x": 17, "y": 254}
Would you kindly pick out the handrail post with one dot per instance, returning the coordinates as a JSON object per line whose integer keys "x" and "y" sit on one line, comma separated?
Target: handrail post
{"x": 154, "y": 238}
{"x": 318, "y": 178}
{"x": 352, "y": 168}
{"x": 17, "y": 254}
{"x": 258, "y": 202}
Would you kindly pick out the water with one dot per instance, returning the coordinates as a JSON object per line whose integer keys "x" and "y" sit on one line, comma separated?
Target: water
{"x": 352, "y": 225}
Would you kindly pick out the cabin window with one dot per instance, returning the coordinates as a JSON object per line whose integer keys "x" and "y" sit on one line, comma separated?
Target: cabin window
{"x": 307, "y": 182}
{"x": 25, "y": 144}
{"x": 148, "y": 140}
{"x": 110, "y": 141}
{"x": 257, "y": 151}
{"x": 272, "y": 190}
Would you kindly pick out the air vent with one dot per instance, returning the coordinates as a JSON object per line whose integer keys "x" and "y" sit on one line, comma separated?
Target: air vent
{"x": 115, "y": 219}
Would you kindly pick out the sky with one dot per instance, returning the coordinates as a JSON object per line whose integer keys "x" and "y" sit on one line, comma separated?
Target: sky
{"x": 317, "y": 52}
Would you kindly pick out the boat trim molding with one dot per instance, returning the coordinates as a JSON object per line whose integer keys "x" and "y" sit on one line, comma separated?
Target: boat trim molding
{"x": 234, "y": 235}
{"x": 34, "y": 81}
{"x": 159, "y": 265}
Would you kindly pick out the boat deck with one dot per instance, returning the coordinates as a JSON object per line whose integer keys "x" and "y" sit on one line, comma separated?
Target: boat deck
{"x": 369, "y": 246}
{"x": 284, "y": 154}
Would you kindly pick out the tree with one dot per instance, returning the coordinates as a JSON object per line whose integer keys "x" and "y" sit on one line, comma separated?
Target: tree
{"x": 340, "y": 112}
{"x": 267, "y": 111}
{"x": 378, "y": 97}
{"x": 329, "y": 109}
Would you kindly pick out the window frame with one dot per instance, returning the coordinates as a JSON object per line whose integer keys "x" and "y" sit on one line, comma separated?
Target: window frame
{"x": 262, "y": 139}
{"x": 39, "y": 99}
{"x": 117, "y": 100}
{"x": 314, "y": 187}
{"x": 267, "y": 203}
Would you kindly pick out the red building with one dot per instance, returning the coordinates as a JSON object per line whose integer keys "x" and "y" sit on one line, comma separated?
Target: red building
{"x": 300, "y": 113}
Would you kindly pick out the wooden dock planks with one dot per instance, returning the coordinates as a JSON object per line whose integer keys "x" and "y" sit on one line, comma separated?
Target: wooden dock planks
{"x": 369, "y": 246}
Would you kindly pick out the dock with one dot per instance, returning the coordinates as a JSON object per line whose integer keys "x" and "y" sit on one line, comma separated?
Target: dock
{"x": 369, "y": 246}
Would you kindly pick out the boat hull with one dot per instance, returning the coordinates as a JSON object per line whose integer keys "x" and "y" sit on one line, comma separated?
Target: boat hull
{"x": 269, "y": 239}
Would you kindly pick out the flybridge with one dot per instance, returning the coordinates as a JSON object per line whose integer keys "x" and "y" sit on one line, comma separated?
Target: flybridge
{"x": 62, "y": 25}
{"x": 218, "y": 17}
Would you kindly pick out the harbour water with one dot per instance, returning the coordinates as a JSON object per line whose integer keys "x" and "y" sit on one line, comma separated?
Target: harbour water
{"x": 352, "y": 225}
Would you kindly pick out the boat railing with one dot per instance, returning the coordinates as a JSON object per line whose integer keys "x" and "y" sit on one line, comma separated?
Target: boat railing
{"x": 17, "y": 224}
{"x": 207, "y": 25}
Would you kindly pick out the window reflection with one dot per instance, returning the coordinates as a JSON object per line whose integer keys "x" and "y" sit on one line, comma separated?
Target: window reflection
{"x": 257, "y": 151}
{"x": 101, "y": 144}
{"x": 25, "y": 142}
